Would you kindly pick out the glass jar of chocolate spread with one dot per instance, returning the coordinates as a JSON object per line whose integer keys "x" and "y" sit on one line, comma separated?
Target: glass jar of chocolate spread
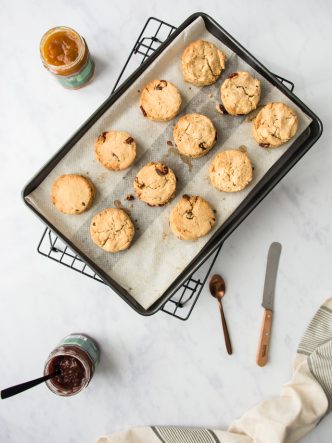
{"x": 66, "y": 55}
{"x": 76, "y": 358}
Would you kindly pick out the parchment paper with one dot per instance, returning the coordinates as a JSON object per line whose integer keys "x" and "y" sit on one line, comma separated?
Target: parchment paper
{"x": 156, "y": 256}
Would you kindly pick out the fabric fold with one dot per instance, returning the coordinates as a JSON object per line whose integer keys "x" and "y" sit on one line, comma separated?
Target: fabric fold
{"x": 302, "y": 403}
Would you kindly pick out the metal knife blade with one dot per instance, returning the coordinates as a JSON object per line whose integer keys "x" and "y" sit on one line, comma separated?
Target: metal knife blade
{"x": 271, "y": 275}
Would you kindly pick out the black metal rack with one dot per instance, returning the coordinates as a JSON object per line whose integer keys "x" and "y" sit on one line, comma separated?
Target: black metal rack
{"x": 181, "y": 304}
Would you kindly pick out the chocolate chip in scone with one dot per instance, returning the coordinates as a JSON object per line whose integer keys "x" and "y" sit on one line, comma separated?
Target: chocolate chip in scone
{"x": 186, "y": 196}
{"x": 235, "y": 74}
{"x": 83, "y": 204}
{"x": 129, "y": 140}
{"x": 162, "y": 170}
{"x": 102, "y": 137}
{"x": 189, "y": 215}
{"x": 140, "y": 185}
{"x": 143, "y": 111}
{"x": 202, "y": 146}
{"x": 161, "y": 85}
{"x": 264, "y": 145}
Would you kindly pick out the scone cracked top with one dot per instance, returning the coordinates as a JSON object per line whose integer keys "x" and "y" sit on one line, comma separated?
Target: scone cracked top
{"x": 191, "y": 218}
{"x": 160, "y": 100}
{"x": 116, "y": 150}
{"x": 112, "y": 230}
{"x": 155, "y": 184}
{"x": 72, "y": 193}
{"x": 274, "y": 125}
{"x": 240, "y": 93}
{"x": 194, "y": 135}
{"x": 202, "y": 63}
{"x": 230, "y": 171}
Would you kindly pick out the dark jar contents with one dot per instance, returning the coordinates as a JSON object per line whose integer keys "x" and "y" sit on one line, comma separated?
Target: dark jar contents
{"x": 76, "y": 357}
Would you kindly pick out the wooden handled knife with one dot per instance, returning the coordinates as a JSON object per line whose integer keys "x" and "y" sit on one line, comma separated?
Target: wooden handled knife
{"x": 267, "y": 303}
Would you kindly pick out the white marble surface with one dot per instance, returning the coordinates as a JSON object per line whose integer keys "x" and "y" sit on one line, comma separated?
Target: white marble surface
{"x": 155, "y": 370}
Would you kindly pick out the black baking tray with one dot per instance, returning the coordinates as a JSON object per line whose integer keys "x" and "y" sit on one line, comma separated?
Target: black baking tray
{"x": 293, "y": 154}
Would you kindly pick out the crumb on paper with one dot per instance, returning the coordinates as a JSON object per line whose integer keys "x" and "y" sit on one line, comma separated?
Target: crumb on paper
{"x": 169, "y": 142}
{"x": 221, "y": 109}
{"x": 186, "y": 160}
{"x": 130, "y": 197}
{"x": 243, "y": 148}
{"x": 102, "y": 177}
{"x": 210, "y": 95}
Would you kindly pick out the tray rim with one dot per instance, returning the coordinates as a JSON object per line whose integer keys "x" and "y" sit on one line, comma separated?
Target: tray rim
{"x": 233, "y": 221}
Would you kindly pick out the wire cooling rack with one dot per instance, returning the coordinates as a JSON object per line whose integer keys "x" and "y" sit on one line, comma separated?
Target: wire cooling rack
{"x": 181, "y": 304}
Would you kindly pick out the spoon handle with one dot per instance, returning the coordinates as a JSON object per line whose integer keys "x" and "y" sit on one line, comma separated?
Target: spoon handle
{"x": 13, "y": 390}
{"x": 225, "y": 329}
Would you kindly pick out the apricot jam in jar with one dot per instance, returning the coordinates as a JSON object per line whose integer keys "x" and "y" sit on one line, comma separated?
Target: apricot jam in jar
{"x": 65, "y": 53}
{"x": 76, "y": 357}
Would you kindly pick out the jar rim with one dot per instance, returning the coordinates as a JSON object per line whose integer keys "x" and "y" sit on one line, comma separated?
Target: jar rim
{"x": 65, "y": 352}
{"x": 79, "y": 57}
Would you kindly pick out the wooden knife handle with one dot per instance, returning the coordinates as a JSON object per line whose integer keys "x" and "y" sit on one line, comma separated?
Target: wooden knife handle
{"x": 264, "y": 339}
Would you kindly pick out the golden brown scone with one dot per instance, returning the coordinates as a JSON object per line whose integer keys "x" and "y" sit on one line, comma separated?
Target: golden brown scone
{"x": 155, "y": 184}
{"x": 230, "y": 171}
{"x": 191, "y": 218}
{"x": 202, "y": 63}
{"x": 194, "y": 135}
{"x": 115, "y": 150}
{"x": 240, "y": 93}
{"x": 112, "y": 230}
{"x": 72, "y": 193}
{"x": 274, "y": 125}
{"x": 160, "y": 100}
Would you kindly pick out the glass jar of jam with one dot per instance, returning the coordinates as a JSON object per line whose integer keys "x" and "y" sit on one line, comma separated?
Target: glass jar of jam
{"x": 65, "y": 53}
{"x": 76, "y": 358}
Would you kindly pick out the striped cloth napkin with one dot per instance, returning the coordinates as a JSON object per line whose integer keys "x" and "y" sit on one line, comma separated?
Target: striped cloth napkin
{"x": 303, "y": 402}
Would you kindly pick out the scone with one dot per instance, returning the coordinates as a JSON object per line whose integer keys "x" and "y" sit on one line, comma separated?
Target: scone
{"x": 191, "y": 218}
{"x": 115, "y": 150}
{"x": 155, "y": 184}
{"x": 230, "y": 171}
{"x": 160, "y": 100}
{"x": 202, "y": 63}
{"x": 274, "y": 125}
{"x": 194, "y": 135}
{"x": 72, "y": 193}
{"x": 240, "y": 93}
{"x": 112, "y": 230}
